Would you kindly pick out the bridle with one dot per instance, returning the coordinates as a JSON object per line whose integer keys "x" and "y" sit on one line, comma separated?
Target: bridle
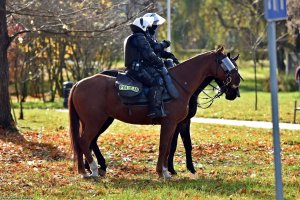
{"x": 225, "y": 62}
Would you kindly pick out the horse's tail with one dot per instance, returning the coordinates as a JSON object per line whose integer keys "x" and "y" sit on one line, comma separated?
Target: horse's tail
{"x": 73, "y": 124}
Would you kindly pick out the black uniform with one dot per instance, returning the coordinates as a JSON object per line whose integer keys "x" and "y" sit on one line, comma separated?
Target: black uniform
{"x": 159, "y": 47}
{"x": 142, "y": 64}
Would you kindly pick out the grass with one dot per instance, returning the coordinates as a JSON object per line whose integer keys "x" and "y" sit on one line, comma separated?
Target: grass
{"x": 231, "y": 162}
{"x": 244, "y": 108}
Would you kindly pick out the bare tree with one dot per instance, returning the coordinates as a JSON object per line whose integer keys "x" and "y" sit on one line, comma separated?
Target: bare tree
{"x": 6, "y": 120}
{"x": 88, "y": 19}
{"x": 293, "y": 22}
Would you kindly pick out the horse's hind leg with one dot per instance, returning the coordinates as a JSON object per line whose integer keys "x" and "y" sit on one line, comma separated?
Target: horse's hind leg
{"x": 100, "y": 159}
{"x": 94, "y": 146}
{"x": 80, "y": 164}
{"x": 89, "y": 133}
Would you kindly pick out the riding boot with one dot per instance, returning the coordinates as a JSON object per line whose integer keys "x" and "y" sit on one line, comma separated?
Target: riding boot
{"x": 155, "y": 97}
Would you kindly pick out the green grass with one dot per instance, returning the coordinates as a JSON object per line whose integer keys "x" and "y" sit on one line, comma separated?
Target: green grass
{"x": 231, "y": 162}
{"x": 243, "y": 108}
{"x": 38, "y": 104}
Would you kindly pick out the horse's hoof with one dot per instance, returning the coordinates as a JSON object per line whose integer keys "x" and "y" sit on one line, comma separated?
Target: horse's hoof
{"x": 173, "y": 172}
{"x": 84, "y": 176}
{"x": 101, "y": 172}
{"x": 166, "y": 175}
{"x": 194, "y": 176}
{"x": 88, "y": 176}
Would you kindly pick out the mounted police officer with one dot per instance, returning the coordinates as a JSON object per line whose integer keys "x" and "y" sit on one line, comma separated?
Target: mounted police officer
{"x": 143, "y": 64}
{"x": 159, "y": 47}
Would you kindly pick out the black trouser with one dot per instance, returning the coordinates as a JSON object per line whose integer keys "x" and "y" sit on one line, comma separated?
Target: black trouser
{"x": 148, "y": 76}
{"x": 153, "y": 79}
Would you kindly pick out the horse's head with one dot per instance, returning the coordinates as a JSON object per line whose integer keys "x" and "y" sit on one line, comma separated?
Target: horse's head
{"x": 227, "y": 75}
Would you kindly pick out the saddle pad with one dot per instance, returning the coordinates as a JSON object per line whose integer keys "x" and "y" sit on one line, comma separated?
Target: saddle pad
{"x": 142, "y": 99}
{"x": 132, "y": 92}
{"x": 127, "y": 87}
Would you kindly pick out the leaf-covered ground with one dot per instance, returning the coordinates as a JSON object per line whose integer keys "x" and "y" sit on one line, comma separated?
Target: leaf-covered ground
{"x": 231, "y": 162}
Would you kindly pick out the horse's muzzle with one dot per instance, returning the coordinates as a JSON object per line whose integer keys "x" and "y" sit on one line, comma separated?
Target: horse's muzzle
{"x": 238, "y": 93}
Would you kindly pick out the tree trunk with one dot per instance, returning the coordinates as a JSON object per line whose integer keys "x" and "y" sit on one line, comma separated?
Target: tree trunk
{"x": 297, "y": 41}
{"x": 280, "y": 58}
{"x": 6, "y": 119}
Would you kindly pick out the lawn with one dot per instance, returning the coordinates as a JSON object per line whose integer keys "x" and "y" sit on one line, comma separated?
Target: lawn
{"x": 231, "y": 163}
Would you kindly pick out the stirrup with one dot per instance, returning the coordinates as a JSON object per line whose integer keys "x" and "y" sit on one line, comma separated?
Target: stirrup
{"x": 157, "y": 113}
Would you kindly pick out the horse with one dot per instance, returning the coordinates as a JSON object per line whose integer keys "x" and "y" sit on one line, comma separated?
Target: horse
{"x": 93, "y": 100}
{"x": 182, "y": 129}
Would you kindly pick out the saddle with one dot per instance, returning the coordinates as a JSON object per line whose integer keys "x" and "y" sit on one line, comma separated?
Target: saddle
{"x": 133, "y": 92}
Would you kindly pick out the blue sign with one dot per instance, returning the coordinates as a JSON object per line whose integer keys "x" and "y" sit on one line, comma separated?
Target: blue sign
{"x": 275, "y": 10}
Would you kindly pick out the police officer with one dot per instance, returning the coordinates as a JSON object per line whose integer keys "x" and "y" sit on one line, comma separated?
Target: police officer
{"x": 158, "y": 47}
{"x": 142, "y": 64}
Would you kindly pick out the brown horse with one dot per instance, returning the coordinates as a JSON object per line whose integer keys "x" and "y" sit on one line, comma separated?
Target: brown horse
{"x": 95, "y": 99}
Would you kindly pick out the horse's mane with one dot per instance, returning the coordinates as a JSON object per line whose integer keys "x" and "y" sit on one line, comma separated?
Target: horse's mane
{"x": 196, "y": 56}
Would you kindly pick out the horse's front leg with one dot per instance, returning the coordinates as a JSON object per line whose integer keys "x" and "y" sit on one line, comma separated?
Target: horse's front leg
{"x": 186, "y": 139}
{"x": 166, "y": 135}
{"x": 172, "y": 150}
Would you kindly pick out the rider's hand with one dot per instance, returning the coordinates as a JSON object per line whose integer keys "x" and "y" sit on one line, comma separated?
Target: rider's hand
{"x": 166, "y": 43}
{"x": 175, "y": 60}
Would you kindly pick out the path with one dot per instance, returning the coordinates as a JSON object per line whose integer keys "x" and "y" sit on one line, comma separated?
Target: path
{"x": 253, "y": 124}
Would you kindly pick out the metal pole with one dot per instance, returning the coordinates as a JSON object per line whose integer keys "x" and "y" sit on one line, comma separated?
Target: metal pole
{"x": 274, "y": 89}
{"x": 169, "y": 22}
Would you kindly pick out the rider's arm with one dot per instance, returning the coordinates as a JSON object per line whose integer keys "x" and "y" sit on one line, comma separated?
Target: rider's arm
{"x": 147, "y": 52}
{"x": 166, "y": 54}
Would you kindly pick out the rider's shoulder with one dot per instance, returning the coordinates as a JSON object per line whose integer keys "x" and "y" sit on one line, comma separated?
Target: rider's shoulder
{"x": 138, "y": 35}
{"x": 139, "y": 38}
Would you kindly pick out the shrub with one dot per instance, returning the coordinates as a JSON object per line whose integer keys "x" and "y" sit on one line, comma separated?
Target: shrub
{"x": 286, "y": 83}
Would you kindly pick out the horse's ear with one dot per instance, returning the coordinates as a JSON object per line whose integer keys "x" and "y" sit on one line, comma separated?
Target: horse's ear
{"x": 228, "y": 55}
{"x": 235, "y": 58}
{"x": 220, "y": 50}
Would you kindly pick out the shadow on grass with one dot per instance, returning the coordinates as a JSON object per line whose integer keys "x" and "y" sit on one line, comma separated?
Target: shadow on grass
{"x": 39, "y": 150}
{"x": 203, "y": 185}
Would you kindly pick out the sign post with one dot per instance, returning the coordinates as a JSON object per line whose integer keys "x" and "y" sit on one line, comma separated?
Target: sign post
{"x": 275, "y": 10}
{"x": 169, "y": 22}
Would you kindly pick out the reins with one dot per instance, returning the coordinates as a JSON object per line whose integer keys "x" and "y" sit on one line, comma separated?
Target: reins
{"x": 210, "y": 98}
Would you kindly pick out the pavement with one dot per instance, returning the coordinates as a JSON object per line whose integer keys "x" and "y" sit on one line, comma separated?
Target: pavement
{"x": 252, "y": 124}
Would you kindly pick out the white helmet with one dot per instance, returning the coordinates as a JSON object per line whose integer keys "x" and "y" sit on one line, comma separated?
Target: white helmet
{"x": 143, "y": 22}
{"x": 157, "y": 19}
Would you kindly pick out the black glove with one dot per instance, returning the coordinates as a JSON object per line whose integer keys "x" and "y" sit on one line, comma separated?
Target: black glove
{"x": 175, "y": 60}
{"x": 165, "y": 43}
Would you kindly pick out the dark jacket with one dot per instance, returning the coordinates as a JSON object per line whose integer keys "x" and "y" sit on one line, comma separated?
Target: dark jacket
{"x": 159, "y": 48}
{"x": 138, "y": 49}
